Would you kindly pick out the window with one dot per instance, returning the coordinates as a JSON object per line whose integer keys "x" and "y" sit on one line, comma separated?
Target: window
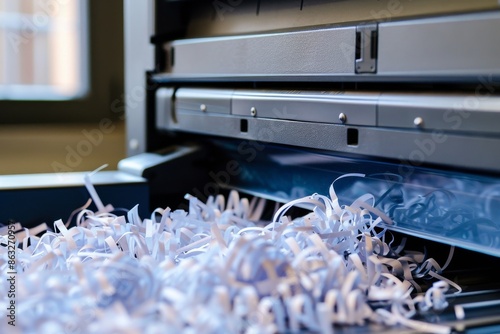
{"x": 72, "y": 67}
{"x": 39, "y": 131}
{"x": 44, "y": 49}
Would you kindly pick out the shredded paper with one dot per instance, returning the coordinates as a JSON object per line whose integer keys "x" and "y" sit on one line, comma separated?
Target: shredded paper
{"x": 218, "y": 268}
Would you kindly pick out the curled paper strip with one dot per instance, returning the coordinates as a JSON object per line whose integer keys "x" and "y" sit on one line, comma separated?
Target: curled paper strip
{"x": 213, "y": 269}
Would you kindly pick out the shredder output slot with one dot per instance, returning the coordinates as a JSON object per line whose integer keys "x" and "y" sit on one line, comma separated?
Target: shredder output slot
{"x": 352, "y": 137}
{"x": 244, "y": 125}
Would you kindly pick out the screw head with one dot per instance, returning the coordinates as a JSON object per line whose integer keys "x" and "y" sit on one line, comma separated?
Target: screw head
{"x": 342, "y": 118}
{"x": 253, "y": 111}
{"x": 418, "y": 122}
{"x": 203, "y": 107}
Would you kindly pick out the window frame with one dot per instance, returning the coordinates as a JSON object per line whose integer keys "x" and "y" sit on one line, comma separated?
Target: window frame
{"x": 105, "y": 61}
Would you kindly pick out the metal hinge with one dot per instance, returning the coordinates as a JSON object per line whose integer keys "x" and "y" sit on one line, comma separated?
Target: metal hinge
{"x": 366, "y": 48}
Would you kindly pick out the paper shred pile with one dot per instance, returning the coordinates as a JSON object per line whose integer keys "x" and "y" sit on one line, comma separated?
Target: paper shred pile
{"x": 218, "y": 269}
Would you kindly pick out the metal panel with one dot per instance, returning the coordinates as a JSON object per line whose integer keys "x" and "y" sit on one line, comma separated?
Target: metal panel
{"x": 471, "y": 113}
{"x": 325, "y": 51}
{"x": 446, "y": 48}
{"x": 203, "y": 100}
{"x": 457, "y": 45}
{"x": 325, "y": 107}
{"x": 411, "y": 148}
{"x": 139, "y": 57}
{"x": 338, "y": 107}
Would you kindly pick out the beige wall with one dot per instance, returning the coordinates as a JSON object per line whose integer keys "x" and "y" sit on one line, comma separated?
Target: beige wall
{"x": 55, "y": 148}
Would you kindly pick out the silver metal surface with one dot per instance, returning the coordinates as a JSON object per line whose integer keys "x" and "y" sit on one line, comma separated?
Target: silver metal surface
{"x": 323, "y": 107}
{"x": 410, "y": 148}
{"x": 472, "y": 112}
{"x": 457, "y": 45}
{"x": 205, "y": 100}
{"x": 320, "y": 51}
{"x": 139, "y": 57}
{"x": 448, "y": 112}
{"x": 376, "y": 124}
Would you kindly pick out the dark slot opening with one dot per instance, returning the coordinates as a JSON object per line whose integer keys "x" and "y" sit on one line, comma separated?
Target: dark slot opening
{"x": 244, "y": 125}
{"x": 173, "y": 113}
{"x": 373, "y": 49}
{"x": 172, "y": 59}
{"x": 352, "y": 137}
{"x": 358, "y": 45}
